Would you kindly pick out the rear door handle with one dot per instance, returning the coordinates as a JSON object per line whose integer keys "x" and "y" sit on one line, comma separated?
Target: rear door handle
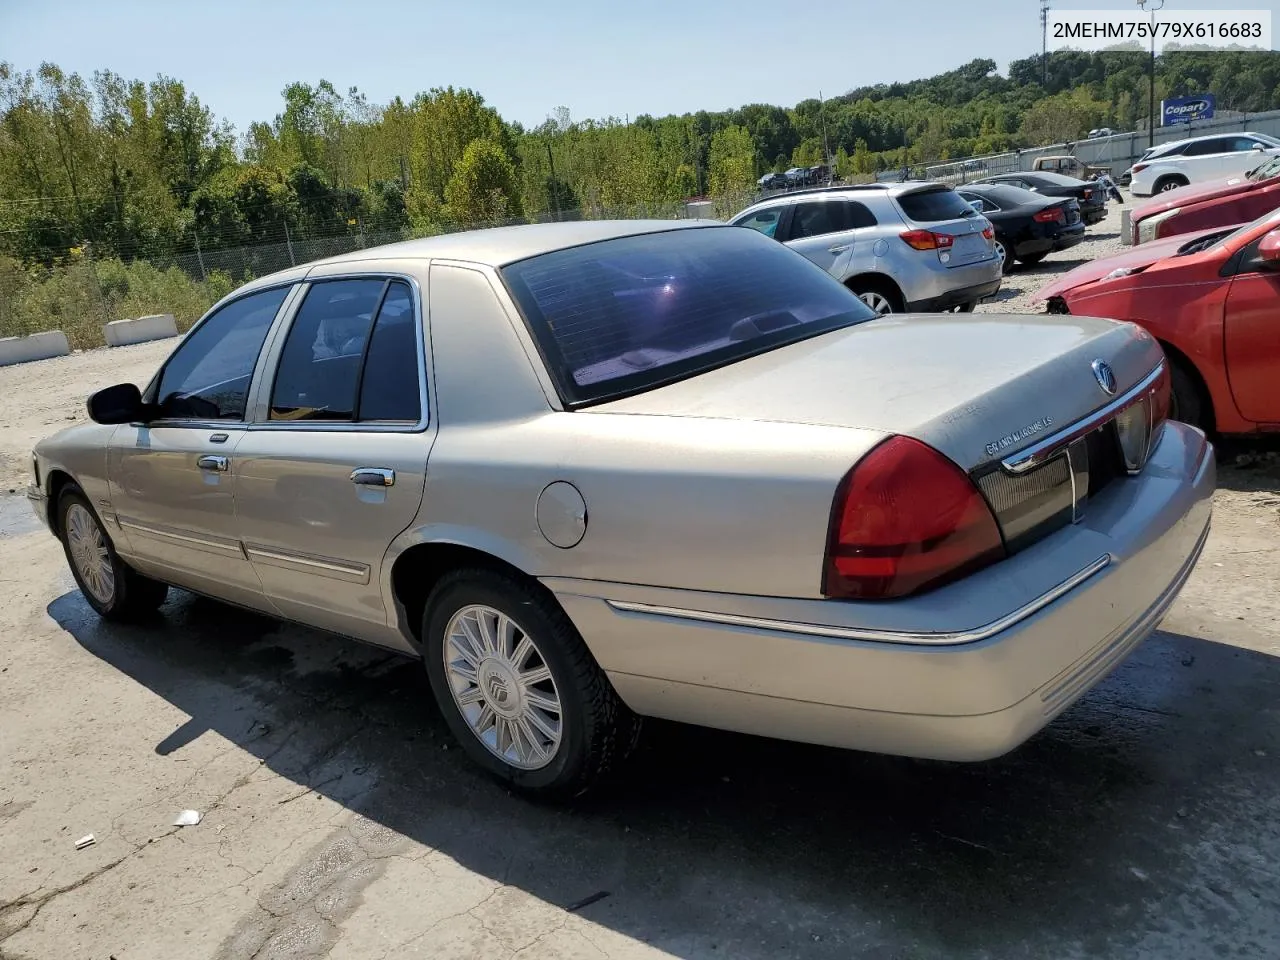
{"x": 216, "y": 464}
{"x": 839, "y": 248}
{"x": 373, "y": 477}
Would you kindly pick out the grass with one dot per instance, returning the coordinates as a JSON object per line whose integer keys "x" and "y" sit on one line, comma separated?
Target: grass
{"x": 80, "y": 297}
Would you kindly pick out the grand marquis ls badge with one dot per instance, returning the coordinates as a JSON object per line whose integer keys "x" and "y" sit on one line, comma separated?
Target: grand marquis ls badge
{"x": 1030, "y": 430}
{"x": 1106, "y": 377}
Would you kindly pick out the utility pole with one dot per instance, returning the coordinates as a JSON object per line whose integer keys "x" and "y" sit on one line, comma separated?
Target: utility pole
{"x": 552, "y": 187}
{"x": 1151, "y": 106}
{"x": 826, "y": 147}
{"x": 1044, "y": 41}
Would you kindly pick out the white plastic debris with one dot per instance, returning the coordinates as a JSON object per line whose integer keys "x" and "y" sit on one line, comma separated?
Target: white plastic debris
{"x": 187, "y": 818}
{"x": 88, "y": 840}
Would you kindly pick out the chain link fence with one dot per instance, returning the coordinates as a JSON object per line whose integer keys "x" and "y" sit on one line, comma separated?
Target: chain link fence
{"x": 86, "y": 289}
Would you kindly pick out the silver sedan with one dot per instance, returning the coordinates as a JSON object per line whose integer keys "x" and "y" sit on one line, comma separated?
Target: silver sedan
{"x": 599, "y": 471}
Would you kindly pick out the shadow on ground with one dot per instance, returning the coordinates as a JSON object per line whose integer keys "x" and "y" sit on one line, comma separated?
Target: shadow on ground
{"x": 1147, "y": 815}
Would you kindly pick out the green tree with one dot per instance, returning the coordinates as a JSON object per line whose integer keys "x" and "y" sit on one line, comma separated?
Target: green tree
{"x": 732, "y": 162}
{"x": 483, "y": 186}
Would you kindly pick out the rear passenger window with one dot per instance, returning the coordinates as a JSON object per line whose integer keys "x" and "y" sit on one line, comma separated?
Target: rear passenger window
{"x": 858, "y": 215}
{"x": 340, "y": 364}
{"x": 1206, "y": 147}
{"x": 319, "y": 368}
{"x": 389, "y": 388}
{"x": 815, "y": 219}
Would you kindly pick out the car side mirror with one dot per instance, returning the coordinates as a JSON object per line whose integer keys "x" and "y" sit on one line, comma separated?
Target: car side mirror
{"x": 1269, "y": 251}
{"x": 119, "y": 404}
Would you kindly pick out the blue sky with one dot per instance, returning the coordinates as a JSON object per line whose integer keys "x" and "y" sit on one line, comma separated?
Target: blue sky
{"x": 598, "y": 58}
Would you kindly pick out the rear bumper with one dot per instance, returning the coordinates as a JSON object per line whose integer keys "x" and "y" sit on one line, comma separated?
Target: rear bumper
{"x": 952, "y": 689}
{"x": 954, "y": 298}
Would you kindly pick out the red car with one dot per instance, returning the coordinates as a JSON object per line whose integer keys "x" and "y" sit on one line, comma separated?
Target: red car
{"x": 1200, "y": 207}
{"x": 1212, "y": 299}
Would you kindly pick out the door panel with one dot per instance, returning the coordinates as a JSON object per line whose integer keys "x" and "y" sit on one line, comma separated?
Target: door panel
{"x": 333, "y": 467}
{"x": 1252, "y": 321}
{"x": 178, "y": 517}
{"x": 314, "y": 534}
{"x": 172, "y": 481}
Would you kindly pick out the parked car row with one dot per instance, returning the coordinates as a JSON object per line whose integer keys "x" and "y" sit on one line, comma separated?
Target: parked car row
{"x": 796, "y": 177}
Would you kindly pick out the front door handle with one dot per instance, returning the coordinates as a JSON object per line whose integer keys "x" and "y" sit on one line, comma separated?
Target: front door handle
{"x": 216, "y": 464}
{"x": 373, "y": 477}
{"x": 839, "y": 248}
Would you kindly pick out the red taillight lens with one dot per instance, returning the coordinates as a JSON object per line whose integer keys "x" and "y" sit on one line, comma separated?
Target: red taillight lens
{"x": 1051, "y": 215}
{"x": 905, "y": 520}
{"x": 1139, "y": 167}
{"x": 989, "y": 232}
{"x": 928, "y": 240}
{"x": 1088, "y": 194}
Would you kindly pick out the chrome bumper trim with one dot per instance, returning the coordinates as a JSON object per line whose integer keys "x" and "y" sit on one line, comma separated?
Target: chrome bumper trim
{"x": 1048, "y": 448}
{"x": 949, "y": 638}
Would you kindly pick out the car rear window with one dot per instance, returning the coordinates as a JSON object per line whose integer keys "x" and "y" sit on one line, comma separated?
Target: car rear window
{"x": 622, "y": 316}
{"x": 931, "y": 206}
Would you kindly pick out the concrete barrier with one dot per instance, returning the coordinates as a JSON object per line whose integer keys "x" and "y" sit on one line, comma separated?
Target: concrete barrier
{"x": 1126, "y": 226}
{"x": 120, "y": 333}
{"x": 35, "y": 346}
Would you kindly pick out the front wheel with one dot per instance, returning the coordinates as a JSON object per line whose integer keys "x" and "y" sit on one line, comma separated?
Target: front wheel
{"x": 518, "y": 687}
{"x": 114, "y": 589}
{"x": 1188, "y": 403}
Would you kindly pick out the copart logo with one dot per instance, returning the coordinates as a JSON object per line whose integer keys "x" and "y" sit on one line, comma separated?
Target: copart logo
{"x": 1030, "y": 430}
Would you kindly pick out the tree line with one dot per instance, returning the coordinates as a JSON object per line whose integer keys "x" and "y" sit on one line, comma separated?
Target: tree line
{"x": 146, "y": 169}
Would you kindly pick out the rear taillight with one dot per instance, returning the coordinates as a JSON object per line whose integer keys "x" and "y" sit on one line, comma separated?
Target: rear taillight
{"x": 989, "y": 232}
{"x": 1088, "y": 194}
{"x": 906, "y": 519}
{"x": 928, "y": 240}
{"x": 1139, "y": 167}
{"x": 1052, "y": 215}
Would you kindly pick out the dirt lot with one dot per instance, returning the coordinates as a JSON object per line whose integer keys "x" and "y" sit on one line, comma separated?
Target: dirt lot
{"x": 339, "y": 821}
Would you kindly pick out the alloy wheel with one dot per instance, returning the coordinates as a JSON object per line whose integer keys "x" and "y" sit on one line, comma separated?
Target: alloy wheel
{"x": 876, "y": 301}
{"x": 503, "y": 687}
{"x": 90, "y": 554}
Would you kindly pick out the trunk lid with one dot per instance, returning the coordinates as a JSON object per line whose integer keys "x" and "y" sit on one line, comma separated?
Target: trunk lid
{"x": 977, "y": 389}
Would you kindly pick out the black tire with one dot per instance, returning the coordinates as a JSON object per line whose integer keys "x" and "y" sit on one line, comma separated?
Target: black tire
{"x": 132, "y": 596}
{"x": 1031, "y": 259}
{"x": 884, "y": 289}
{"x": 1165, "y": 184}
{"x": 597, "y": 731}
{"x": 1189, "y": 404}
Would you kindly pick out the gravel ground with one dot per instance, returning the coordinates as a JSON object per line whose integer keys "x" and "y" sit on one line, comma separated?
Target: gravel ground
{"x": 1022, "y": 282}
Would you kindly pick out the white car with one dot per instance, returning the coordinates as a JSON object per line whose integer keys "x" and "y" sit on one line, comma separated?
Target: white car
{"x": 1200, "y": 159}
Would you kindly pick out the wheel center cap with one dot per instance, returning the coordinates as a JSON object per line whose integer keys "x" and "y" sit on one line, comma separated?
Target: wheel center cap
{"x": 500, "y": 688}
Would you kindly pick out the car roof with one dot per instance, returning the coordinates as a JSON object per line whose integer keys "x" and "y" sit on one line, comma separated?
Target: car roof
{"x": 865, "y": 189}
{"x": 498, "y": 246}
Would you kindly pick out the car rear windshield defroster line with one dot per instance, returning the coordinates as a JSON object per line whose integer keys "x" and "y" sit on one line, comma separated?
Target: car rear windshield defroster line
{"x": 622, "y": 316}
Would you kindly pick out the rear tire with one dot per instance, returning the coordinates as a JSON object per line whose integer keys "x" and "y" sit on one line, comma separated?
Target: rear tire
{"x": 880, "y": 296}
{"x": 1189, "y": 402}
{"x": 486, "y": 636}
{"x": 1165, "y": 184}
{"x": 113, "y": 588}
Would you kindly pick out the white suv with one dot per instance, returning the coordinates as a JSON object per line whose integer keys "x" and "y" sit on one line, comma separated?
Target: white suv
{"x": 1200, "y": 159}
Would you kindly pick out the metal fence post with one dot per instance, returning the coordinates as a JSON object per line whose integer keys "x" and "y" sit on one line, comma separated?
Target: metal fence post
{"x": 288, "y": 240}
{"x": 93, "y": 270}
{"x": 195, "y": 233}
